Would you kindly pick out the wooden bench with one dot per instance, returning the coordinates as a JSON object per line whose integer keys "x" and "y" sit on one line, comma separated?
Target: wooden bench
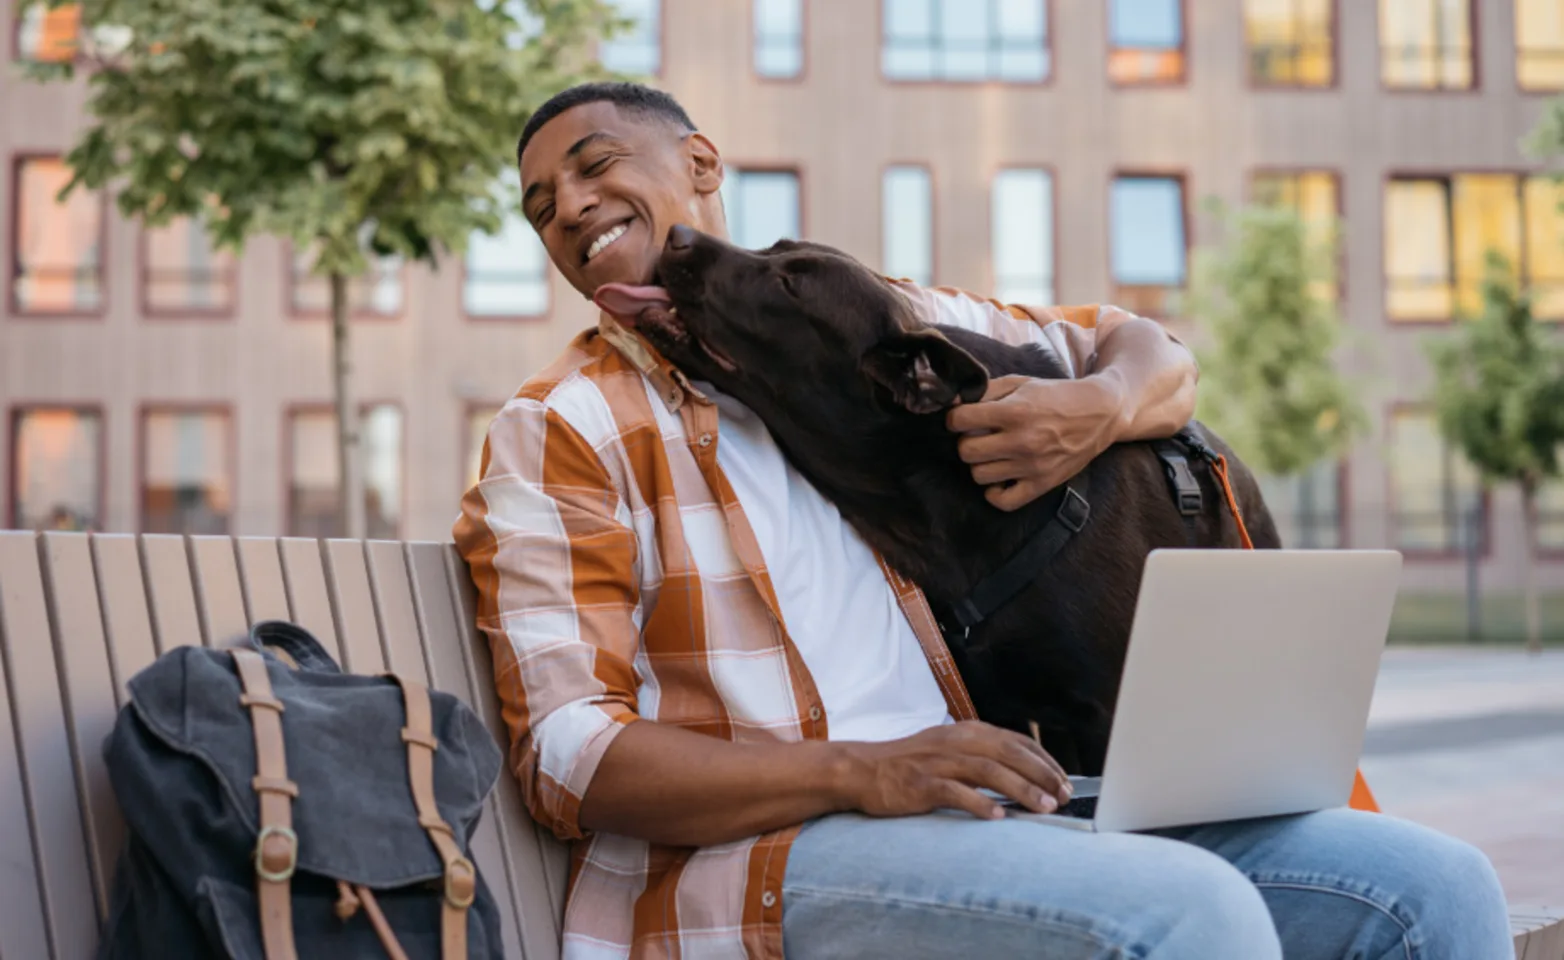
{"x": 79, "y": 615}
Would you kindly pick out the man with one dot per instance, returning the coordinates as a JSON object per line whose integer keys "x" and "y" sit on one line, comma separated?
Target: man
{"x": 696, "y": 655}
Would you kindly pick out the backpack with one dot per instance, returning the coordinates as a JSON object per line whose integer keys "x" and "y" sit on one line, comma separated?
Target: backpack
{"x": 278, "y": 808}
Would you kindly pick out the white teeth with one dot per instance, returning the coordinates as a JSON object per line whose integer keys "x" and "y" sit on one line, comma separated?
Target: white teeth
{"x": 601, "y": 242}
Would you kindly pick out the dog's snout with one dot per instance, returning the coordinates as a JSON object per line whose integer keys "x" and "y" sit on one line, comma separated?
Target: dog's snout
{"x": 681, "y": 237}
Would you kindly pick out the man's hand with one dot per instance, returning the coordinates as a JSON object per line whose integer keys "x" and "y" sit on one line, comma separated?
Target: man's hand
{"x": 1027, "y": 436}
{"x": 943, "y": 767}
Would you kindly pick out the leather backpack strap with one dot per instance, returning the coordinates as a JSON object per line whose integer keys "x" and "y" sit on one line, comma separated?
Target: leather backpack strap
{"x": 276, "y": 845}
{"x": 461, "y": 877}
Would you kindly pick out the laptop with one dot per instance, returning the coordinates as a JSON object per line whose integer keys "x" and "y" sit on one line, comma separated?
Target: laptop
{"x": 1246, "y": 688}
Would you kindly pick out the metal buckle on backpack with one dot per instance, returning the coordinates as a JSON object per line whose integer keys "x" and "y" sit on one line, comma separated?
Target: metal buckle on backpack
{"x": 284, "y": 873}
{"x": 460, "y": 888}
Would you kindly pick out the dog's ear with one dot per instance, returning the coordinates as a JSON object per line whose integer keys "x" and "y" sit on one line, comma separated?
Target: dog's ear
{"x": 924, "y": 372}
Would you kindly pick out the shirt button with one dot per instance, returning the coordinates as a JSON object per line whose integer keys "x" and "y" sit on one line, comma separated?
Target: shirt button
{"x": 814, "y": 714}
{"x": 673, "y": 396}
{"x": 768, "y": 900}
{"x": 705, "y": 440}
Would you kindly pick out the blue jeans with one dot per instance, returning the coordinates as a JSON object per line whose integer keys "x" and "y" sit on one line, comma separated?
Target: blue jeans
{"x": 1337, "y": 884}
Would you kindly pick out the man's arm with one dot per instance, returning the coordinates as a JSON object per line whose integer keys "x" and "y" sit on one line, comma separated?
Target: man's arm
{"x": 554, "y": 564}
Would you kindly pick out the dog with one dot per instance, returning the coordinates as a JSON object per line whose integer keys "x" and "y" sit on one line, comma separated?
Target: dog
{"x": 855, "y": 388}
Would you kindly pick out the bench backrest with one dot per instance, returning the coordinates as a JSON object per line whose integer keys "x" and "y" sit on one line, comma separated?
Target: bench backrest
{"x": 80, "y": 615}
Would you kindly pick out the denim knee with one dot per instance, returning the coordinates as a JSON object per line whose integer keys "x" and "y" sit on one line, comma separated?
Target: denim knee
{"x": 1217, "y": 913}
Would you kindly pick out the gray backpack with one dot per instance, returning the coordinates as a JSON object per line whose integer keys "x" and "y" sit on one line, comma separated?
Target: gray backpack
{"x": 278, "y": 808}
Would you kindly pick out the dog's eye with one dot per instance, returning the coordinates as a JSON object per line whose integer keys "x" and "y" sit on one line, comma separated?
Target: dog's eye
{"x": 789, "y": 283}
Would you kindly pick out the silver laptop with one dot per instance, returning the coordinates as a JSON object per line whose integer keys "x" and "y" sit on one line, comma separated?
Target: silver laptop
{"x": 1246, "y": 688}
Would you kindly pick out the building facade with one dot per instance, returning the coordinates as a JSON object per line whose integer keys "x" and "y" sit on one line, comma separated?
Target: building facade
{"x": 1039, "y": 150}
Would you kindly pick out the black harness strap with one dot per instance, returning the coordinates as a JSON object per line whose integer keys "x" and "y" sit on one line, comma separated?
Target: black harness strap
{"x": 997, "y": 589}
{"x": 1175, "y": 466}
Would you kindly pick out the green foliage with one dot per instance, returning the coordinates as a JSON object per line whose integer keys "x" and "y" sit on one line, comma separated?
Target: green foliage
{"x": 324, "y": 121}
{"x": 1269, "y": 382}
{"x": 1499, "y": 385}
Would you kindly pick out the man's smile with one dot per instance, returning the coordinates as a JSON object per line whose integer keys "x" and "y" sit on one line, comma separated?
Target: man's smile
{"x": 605, "y": 239}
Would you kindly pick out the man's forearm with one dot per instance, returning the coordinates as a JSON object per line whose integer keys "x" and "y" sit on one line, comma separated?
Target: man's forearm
{"x": 1153, "y": 374}
{"x": 668, "y": 785}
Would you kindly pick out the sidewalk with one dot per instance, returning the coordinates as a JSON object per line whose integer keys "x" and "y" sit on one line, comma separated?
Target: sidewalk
{"x": 1471, "y": 741}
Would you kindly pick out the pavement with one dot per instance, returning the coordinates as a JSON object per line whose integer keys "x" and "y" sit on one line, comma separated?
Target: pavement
{"x": 1471, "y": 741}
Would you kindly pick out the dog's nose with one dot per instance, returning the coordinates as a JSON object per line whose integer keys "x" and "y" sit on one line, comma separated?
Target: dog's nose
{"x": 681, "y": 237}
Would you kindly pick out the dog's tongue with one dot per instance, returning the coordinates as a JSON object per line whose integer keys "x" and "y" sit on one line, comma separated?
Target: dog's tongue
{"x": 625, "y": 302}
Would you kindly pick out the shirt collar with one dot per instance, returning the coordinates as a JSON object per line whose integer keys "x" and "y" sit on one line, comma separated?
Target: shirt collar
{"x": 670, "y": 383}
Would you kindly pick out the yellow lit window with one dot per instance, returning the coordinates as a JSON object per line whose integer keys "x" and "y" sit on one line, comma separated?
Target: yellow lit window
{"x": 1292, "y": 43}
{"x": 1539, "y": 44}
{"x": 1426, "y": 44}
{"x": 1417, "y": 250}
{"x": 1541, "y": 197}
{"x": 1314, "y": 194}
{"x": 1487, "y": 217}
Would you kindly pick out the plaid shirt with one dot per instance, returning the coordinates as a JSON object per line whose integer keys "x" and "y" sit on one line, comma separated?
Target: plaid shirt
{"x": 618, "y": 579}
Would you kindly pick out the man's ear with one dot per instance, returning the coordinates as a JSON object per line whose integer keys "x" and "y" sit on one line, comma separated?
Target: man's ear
{"x": 706, "y": 165}
{"x": 924, "y": 372}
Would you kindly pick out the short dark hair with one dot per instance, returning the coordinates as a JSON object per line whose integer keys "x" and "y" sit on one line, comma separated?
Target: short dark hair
{"x": 631, "y": 97}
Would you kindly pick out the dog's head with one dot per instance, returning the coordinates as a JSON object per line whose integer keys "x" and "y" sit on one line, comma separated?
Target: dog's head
{"x": 793, "y": 327}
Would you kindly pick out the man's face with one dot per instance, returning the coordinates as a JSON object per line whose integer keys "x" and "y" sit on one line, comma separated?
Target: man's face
{"x": 602, "y": 188}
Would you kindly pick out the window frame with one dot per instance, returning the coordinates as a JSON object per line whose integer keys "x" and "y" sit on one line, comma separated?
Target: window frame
{"x": 1181, "y": 175}
{"x": 20, "y": 159}
{"x": 223, "y": 408}
{"x": 1255, "y": 83}
{"x": 1185, "y": 60}
{"x": 15, "y": 410}
{"x": 1053, "y": 227}
{"x": 1393, "y": 506}
{"x": 1046, "y": 80}
{"x": 731, "y": 167}
{"x": 285, "y": 460}
{"x": 18, "y": 8}
{"x": 1338, "y": 177}
{"x": 543, "y": 316}
{"x": 1515, "y": 47}
{"x": 803, "y": 46}
{"x": 928, "y": 168}
{"x": 659, "y": 32}
{"x": 144, "y": 284}
{"x": 1448, "y": 175}
{"x": 1474, "y": 24}
{"x": 293, "y": 311}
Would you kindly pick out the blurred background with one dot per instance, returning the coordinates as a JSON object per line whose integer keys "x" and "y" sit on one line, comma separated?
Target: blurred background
{"x": 1338, "y": 194}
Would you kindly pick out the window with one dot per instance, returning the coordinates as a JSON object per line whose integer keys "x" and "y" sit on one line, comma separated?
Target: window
{"x": 1145, "y": 41}
{"x": 1550, "y": 515}
{"x": 1438, "y": 231}
{"x": 779, "y": 38}
{"x": 478, "y": 420}
{"x": 761, "y": 206}
{"x": 907, "y": 224}
{"x": 637, "y": 50}
{"x": 1315, "y": 195}
{"x": 1433, "y": 488}
{"x": 45, "y": 35}
{"x": 186, "y": 485}
{"x": 56, "y": 469}
{"x": 1307, "y": 507}
{"x": 507, "y": 274}
{"x": 1023, "y": 236}
{"x": 1539, "y": 44}
{"x": 1426, "y": 44}
{"x": 183, "y": 273}
{"x": 1149, "y": 247}
{"x": 313, "y": 477}
{"x": 1292, "y": 43}
{"x": 965, "y": 40}
{"x": 57, "y": 266}
{"x": 376, "y": 291}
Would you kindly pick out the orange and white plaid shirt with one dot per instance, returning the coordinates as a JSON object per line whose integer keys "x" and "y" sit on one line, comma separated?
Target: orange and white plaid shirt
{"x": 618, "y": 579}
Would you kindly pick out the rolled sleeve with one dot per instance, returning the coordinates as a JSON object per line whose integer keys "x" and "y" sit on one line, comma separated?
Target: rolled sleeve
{"x": 555, "y": 574}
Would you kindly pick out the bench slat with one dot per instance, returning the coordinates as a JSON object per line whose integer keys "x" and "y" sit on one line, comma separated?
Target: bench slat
{"x": 393, "y": 598}
{"x": 22, "y": 932}
{"x": 47, "y": 774}
{"x": 167, "y": 571}
{"x": 88, "y": 682}
{"x": 443, "y": 641}
{"x": 305, "y": 579}
{"x": 117, "y": 562}
{"x": 260, "y": 577}
{"x": 219, "y": 598}
{"x": 348, "y": 582}
{"x": 539, "y": 860}
{"x": 1539, "y": 932}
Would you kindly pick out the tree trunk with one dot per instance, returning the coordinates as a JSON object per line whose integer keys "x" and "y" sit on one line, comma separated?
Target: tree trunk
{"x": 1533, "y": 609}
{"x": 350, "y": 489}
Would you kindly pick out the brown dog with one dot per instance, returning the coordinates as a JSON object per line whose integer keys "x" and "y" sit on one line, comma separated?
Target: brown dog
{"x": 854, "y": 389}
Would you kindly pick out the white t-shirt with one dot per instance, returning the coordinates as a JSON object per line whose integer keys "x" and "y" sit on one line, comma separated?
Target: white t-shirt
{"x": 873, "y": 677}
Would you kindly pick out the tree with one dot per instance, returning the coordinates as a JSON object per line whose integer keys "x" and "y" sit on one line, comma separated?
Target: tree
{"x": 354, "y": 128}
{"x": 1269, "y": 382}
{"x": 1499, "y": 395}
